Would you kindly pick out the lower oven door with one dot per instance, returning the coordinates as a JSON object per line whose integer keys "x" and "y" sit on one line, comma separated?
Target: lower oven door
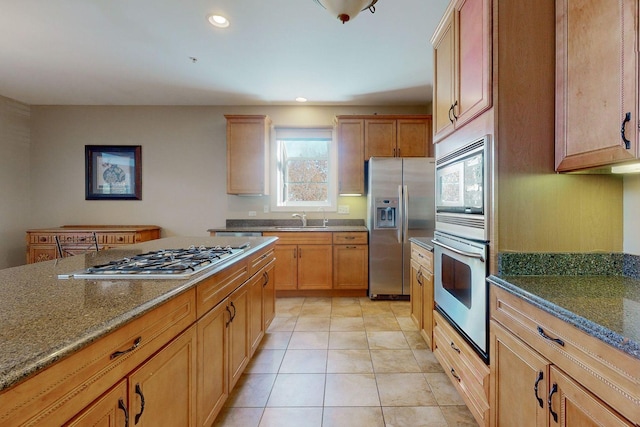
{"x": 460, "y": 287}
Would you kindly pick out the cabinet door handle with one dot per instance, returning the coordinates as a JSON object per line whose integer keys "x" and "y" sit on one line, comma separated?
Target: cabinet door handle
{"x": 453, "y": 110}
{"x": 139, "y": 414}
{"x": 234, "y": 311}
{"x": 299, "y": 252}
{"x": 135, "y": 345}
{"x": 419, "y": 278}
{"x": 535, "y": 388}
{"x": 455, "y": 375}
{"x": 295, "y": 252}
{"x": 230, "y": 317}
{"x": 547, "y": 337}
{"x": 627, "y": 143}
{"x": 456, "y": 349}
{"x": 266, "y": 278}
{"x": 554, "y": 389}
{"x": 450, "y": 110}
{"x": 122, "y": 406}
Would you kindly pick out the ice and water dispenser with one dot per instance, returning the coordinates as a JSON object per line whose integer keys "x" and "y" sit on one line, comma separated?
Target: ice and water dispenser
{"x": 386, "y": 212}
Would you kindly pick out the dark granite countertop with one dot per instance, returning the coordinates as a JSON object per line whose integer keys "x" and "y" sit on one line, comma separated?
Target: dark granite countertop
{"x": 606, "y": 307}
{"x": 44, "y": 319}
{"x": 424, "y": 242}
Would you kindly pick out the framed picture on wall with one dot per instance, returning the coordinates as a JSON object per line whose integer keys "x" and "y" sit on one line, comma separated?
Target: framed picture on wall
{"x": 113, "y": 172}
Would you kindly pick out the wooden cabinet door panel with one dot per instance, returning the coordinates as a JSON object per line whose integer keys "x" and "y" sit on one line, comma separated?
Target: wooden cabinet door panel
{"x": 286, "y": 268}
{"x": 162, "y": 391}
{"x": 416, "y": 294}
{"x": 427, "y": 307}
{"x": 315, "y": 267}
{"x": 351, "y": 156}
{"x": 213, "y": 371}
{"x": 473, "y": 23}
{"x": 519, "y": 378}
{"x": 350, "y": 266}
{"x": 247, "y": 154}
{"x": 269, "y": 309}
{"x": 597, "y": 76}
{"x": 444, "y": 72}
{"x": 575, "y": 406}
{"x": 380, "y": 138}
{"x": 238, "y": 334}
{"x": 414, "y": 137}
{"x": 110, "y": 410}
{"x": 256, "y": 315}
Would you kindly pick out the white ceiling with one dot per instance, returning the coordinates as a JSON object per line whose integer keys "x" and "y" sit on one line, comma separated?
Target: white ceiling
{"x": 137, "y": 52}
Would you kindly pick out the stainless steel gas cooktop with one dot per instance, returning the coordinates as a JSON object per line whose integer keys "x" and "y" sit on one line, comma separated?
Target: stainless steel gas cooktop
{"x": 161, "y": 264}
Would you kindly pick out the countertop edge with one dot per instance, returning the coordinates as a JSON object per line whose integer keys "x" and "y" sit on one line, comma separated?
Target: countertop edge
{"x": 424, "y": 242}
{"x": 605, "y": 335}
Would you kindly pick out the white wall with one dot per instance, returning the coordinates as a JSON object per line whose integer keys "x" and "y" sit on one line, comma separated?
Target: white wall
{"x": 183, "y": 164}
{"x": 14, "y": 180}
{"x": 631, "y": 213}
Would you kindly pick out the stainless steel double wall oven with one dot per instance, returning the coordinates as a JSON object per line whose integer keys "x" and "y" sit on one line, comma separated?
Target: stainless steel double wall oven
{"x": 461, "y": 239}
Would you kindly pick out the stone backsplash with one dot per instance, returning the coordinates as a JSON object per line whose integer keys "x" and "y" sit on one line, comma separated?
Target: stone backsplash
{"x": 569, "y": 264}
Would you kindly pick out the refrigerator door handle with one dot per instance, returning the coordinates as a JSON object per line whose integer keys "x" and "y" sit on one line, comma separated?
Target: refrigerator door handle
{"x": 405, "y": 217}
{"x": 400, "y": 217}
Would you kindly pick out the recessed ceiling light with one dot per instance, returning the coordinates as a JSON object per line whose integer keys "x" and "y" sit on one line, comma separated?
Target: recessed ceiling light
{"x": 301, "y": 99}
{"x": 218, "y": 21}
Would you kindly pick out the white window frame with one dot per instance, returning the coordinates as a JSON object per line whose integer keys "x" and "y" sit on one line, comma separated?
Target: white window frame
{"x": 304, "y": 132}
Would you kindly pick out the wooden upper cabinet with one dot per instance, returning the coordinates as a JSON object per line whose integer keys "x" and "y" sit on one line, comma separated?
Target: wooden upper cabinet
{"x": 462, "y": 65}
{"x": 596, "y": 83}
{"x": 397, "y": 137}
{"x": 248, "y": 154}
{"x": 350, "y": 156}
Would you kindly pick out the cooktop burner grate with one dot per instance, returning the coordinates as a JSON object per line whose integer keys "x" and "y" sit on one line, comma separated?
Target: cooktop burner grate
{"x": 164, "y": 263}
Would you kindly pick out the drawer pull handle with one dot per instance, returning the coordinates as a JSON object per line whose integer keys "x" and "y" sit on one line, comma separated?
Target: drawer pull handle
{"x": 456, "y": 349}
{"x": 139, "y": 392}
{"x": 554, "y": 389}
{"x": 135, "y": 345}
{"x": 547, "y": 337}
{"x": 349, "y": 237}
{"x": 455, "y": 375}
{"x": 535, "y": 388}
{"x": 126, "y": 413}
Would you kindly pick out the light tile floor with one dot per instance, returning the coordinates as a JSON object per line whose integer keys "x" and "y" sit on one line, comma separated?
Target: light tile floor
{"x": 333, "y": 362}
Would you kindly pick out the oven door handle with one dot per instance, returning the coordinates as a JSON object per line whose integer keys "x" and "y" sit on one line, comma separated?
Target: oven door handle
{"x": 458, "y": 251}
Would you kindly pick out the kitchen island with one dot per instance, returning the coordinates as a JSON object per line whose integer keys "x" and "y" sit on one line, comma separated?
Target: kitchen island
{"x": 575, "y": 340}
{"x": 65, "y": 342}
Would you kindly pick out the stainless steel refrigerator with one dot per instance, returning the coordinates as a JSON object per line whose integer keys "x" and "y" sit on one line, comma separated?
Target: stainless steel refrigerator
{"x": 400, "y": 205}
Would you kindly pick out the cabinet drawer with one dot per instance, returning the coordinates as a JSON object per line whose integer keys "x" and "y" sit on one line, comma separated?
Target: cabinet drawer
{"x": 422, "y": 256}
{"x": 260, "y": 259}
{"x": 56, "y": 394}
{"x": 301, "y": 237}
{"x": 211, "y": 291}
{"x": 615, "y": 379}
{"x": 466, "y": 370}
{"x": 41, "y": 238}
{"x": 120, "y": 238}
{"x": 350, "y": 238}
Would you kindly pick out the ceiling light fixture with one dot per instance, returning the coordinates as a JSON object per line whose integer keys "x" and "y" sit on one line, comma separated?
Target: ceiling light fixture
{"x": 218, "y": 21}
{"x": 301, "y": 99}
{"x": 346, "y": 10}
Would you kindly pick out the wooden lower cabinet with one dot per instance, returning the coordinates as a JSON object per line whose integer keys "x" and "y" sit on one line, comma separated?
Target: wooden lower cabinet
{"x": 568, "y": 379}
{"x": 321, "y": 261}
{"x": 173, "y": 366}
{"x": 161, "y": 392}
{"x": 421, "y": 291}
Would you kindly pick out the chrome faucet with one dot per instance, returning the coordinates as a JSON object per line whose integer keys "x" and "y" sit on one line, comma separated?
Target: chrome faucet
{"x": 325, "y": 221}
{"x": 302, "y": 217}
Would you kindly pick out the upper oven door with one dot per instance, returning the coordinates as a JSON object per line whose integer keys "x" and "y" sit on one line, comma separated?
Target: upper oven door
{"x": 460, "y": 289}
{"x": 462, "y": 190}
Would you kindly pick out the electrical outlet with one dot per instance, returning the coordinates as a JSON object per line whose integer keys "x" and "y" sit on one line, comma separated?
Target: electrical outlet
{"x": 252, "y": 213}
{"x": 265, "y": 209}
{"x": 343, "y": 209}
